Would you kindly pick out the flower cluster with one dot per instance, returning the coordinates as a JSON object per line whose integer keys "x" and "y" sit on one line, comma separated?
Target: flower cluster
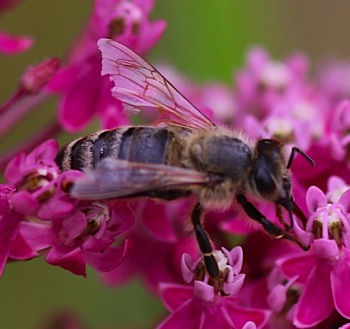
{"x": 263, "y": 283}
{"x": 38, "y": 215}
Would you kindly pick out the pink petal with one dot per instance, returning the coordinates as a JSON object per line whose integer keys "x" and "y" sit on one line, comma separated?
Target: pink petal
{"x": 235, "y": 258}
{"x": 55, "y": 209}
{"x": 341, "y": 118}
{"x": 9, "y": 224}
{"x": 345, "y": 200}
{"x": 335, "y": 147}
{"x": 234, "y": 287}
{"x": 79, "y": 104}
{"x": 145, "y": 6}
{"x": 187, "y": 316}
{"x": 303, "y": 236}
{"x": 257, "y": 59}
{"x": 299, "y": 65}
{"x": 93, "y": 245}
{"x": 24, "y": 203}
{"x": 335, "y": 183}
{"x": 39, "y": 236}
{"x": 253, "y": 127}
{"x": 12, "y": 173}
{"x": 174, "y": 295}
{"x": 13, "y": 45}
{"x": 345, "y": 326}
{"x": 32, "y": 238}
{"x": 75, "y": 225}
{"x": 122, "y": 217}
{"x": 46, "y": 151}
{"x": 300, "y": 266}
{"x": 109, "y": 259}
{"x": 157, "y": 221}
{"x": 249, "y": 325}
{"x": 203, "y": 291}
{"x": 315, "y": 198}
{"x": 22, "y": 250}
{"x": 120, "y": 275}
{"x": 188, "y": 267}
{"x": 316, "y": 302}
{"x": 156, "y": 31}
{"x": 72, "y": 261}
{"x": 326, "y": 249}
{"x": 216, "y": 317}
{"x": 277, "y": 298}
{"x": 340, "y": 281}
{"x": 240, "y": 316}
{"x": 64, "y": 79}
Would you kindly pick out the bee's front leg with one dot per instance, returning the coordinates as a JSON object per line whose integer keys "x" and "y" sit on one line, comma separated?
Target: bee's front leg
{"x": 268, "y": 226}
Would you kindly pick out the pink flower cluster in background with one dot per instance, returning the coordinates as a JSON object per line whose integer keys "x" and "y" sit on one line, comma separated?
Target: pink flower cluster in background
{"x": 266, "y": 283}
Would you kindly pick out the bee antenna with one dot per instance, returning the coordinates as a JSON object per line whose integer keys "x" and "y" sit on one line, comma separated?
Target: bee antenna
{"x": 292, "y": 156}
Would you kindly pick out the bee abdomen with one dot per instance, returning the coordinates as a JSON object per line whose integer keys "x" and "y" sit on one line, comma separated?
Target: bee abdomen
{"x": 136, "y": 144}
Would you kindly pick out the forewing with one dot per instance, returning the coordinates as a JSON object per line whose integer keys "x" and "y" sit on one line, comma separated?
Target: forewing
{"x": 114, "y": 178}
{"x": 138, "y": 84}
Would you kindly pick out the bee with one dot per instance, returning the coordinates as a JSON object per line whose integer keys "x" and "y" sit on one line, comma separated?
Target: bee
{"x": 184, "y": 153}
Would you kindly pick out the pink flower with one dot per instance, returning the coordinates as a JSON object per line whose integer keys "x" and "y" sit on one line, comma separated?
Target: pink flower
{"x": 88, "y": 237}
{"x": 73, "y": 233}
{"x": 333, "y": 79}
{"x": 85, "y": 92}
{"x": 339, "y": 139}
{"x": 10, "y": 44}
{"x": 40, "y": 186}
{"x": 9, "y": 225}
{"x": 35, "y": 191}
{"x": 36, "y": 77}
{"x": 32, "y": 89}
{"x": 201, "y": 305}
{"x": 297, "y": 118}
{"x": 13, "y": 45}
{"x": 324, "y": 271}
{"x": 264, "y": 82}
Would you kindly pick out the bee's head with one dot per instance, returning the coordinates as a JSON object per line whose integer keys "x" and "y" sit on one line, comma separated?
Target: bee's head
{"x": 270, "y": 179}
{"x": 269, "y": 175}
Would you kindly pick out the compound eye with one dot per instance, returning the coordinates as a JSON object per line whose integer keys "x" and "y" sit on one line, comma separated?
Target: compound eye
{"x": 264, "y": 182}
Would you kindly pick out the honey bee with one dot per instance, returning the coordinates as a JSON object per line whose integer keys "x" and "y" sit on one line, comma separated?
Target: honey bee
{"x": 183, "y": 153}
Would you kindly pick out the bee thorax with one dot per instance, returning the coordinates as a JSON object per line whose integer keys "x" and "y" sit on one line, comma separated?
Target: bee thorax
{"x": 226, "y": 155}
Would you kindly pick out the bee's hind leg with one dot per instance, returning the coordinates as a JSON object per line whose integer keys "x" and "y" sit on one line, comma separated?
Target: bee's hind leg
{"x": 268, "y": 226}
{"x": 204, "y": 242}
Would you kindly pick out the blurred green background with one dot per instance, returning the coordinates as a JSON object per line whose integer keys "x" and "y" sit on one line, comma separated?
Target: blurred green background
{"x": 205, "y": 40}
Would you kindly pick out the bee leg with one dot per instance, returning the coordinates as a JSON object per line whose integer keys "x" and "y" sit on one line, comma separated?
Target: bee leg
{"x": 269, "y": 227}
{"x": 204, "y": 242}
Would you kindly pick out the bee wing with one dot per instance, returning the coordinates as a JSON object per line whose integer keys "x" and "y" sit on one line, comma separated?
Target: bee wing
{"x": 114, "y": 178}
{"x": 138, "y": 84}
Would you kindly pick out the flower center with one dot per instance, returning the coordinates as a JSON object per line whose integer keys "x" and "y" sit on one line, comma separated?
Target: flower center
{"x": 329, "y": 223}
{"x": 280, "y": 128}
{"x": 96, "y": 215}
{"x": 127, "y": 20}
{"x": 40, "y": 182}
{"x": 275, "y": 75}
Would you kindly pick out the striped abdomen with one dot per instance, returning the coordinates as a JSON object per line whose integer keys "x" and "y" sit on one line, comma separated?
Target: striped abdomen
{"x": 136, "y": 144}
